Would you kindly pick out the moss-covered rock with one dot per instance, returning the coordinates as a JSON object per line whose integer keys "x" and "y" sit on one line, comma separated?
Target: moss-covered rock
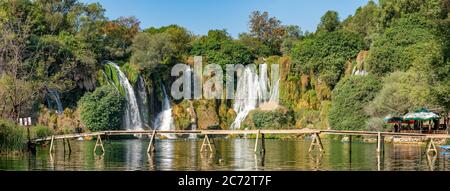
{"x": 206, "y": 113}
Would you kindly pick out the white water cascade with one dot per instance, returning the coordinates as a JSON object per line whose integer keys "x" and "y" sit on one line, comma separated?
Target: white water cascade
{"x": 56, "y": 99}
{"x": 132, "y": 119}
{"x": 252, "y": 91}
{"x": 164, "y": 121}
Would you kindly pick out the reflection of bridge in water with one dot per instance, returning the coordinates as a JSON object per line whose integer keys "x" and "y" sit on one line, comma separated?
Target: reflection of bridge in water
{"x": 210, "y": 136}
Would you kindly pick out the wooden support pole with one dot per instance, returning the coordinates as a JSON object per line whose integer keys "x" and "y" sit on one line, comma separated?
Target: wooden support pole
{"x": 70, "y": 148}
{"x": 99, "y": 143}
{"x": 379, "y": 143}
{"x": 319, "y": 141}
{"x": 206, "y": 143}
{"x": 316, "y": 142}
{"x": 263, "y": 143}
{"x": 431, "y": 147}
{"x": 256, "y": 142}
{"x": 51, "y": 144}
{"x": 64, "y": 145}
{"x": 151, "y": 144}
{"x": 213, "y": 141}
{"x": 209, "y": 144}
{"x": 350, "y": 147}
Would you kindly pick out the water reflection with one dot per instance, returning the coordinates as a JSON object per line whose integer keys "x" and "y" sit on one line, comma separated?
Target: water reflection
{"x": 229, "y": 154}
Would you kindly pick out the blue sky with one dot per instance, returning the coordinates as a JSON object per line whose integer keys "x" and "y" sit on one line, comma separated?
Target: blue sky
{"x": 199, "y": 16}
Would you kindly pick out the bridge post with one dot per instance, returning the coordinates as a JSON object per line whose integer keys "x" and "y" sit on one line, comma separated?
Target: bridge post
{"x": 64, "y": 145}
{"x": 431, "y": 147}
{"x": 99, "y": 143}
{"x": 256, "y": 142}
{"x": 316, "y": 142}
{"x": 206, "y": 143}
{"x": 51, "y": 144}
{"x": 263, "y": 143}
{"x": 379, "y": 142}
{"x": 151, "y": 144}
{"x": 68, "y": 144}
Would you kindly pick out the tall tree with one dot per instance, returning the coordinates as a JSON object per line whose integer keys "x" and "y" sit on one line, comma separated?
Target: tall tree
{"x": 329, "y": 22}
{"x": 267, "y": 29}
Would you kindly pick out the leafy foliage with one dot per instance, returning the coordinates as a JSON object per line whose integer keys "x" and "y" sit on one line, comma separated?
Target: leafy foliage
{"x": 329, "y": 22}
{"x": 103, "y": 109}
{"x": 42, "y": 131}
{"x": 270, "y": 119}
{"x": 219, "y": 48}
{"x": 325, "y": 54}
{"x": 402, "y": 92}
{"x": 12, "y": 137}
{"x": 405, "y": 45}
{"x": 350, "y": 98}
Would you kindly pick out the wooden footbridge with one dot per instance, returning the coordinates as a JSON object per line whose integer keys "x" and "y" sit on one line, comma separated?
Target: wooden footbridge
{"x": 209, "y": 143}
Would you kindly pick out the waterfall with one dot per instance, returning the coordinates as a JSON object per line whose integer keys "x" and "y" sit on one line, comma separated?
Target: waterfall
{"x": 132, "y": 119}
{"x": 252, "y": 91}
{"x": 274, "y": 94}
{"x": 164, "y": 121}
{"x": 143, "y": 101}
{"x": 55, "y": 100}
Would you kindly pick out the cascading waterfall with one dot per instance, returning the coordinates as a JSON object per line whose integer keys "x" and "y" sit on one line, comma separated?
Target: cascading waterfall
{"x": 252, "y": 90}
{"x": 274, "y": 94}
{"x": 143, "y": 100}
{"x": 164, "y": 121}
{"x": 55, "y": 99}
{"x": 132, "y": 119}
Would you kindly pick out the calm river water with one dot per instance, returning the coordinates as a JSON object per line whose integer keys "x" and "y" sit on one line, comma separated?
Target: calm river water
{"x": 232, "y": 154}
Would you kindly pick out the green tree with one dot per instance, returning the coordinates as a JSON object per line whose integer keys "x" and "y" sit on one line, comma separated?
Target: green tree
{"x": 180, "y": 38}
{"x": 366, "y": 22}
{"x": 103, "y": 109}
{"x": 256, "y": 47}
{"x": 349, "y": 100}
{"x": 404, "y": 45}
{"x": 119, "y": 35}
{"x": 395, "y": 9}
{"x": 325, "y": 54}
{"x": 293, "y": 34}
{"x": 151, "y": 50}
{"x": 268, "y": 30}
{"x": 329, "y": 22}
{"x": 401, "y": 92}
{"x": 219, "y": 48}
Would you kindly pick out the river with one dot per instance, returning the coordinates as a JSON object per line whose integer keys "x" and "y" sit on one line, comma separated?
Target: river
{"x": 232, "y": 154}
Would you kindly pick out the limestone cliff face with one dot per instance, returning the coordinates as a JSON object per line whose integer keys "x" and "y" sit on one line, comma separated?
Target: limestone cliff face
{"x": 206, "y": 113}
{"x": 184, "y": 115}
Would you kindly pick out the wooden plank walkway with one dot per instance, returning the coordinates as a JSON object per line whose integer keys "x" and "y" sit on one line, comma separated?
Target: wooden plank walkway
{"x": 209, "y": 142}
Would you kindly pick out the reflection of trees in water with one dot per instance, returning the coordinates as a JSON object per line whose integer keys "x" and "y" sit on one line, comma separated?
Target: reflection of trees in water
{"x": 405, "y": 157}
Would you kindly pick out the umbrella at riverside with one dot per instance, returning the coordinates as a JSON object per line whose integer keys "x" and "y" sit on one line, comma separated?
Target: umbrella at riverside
{"x": 421, "y": 115}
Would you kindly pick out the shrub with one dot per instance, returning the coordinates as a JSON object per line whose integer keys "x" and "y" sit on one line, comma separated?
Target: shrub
{"x": 350, "y": 97}
{"x": 42, "y": 131}
{"x": 12, "y": 137}
{"x": 103, "y": 109}
{"x": 270, "y": 119}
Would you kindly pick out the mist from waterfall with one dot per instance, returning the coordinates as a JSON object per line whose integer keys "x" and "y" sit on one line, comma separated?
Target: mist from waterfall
{"x": 54, "y": 101}
{"x": 132, "y": 119}
{"x": 252, "y": 91}
{"x": 164, "y": 121}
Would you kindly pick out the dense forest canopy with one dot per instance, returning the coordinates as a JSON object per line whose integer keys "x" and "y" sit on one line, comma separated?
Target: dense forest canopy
{"x": 403, "y": 45}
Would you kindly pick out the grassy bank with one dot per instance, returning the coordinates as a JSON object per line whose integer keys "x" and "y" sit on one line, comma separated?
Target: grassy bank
{"x": 12, "y": 137}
